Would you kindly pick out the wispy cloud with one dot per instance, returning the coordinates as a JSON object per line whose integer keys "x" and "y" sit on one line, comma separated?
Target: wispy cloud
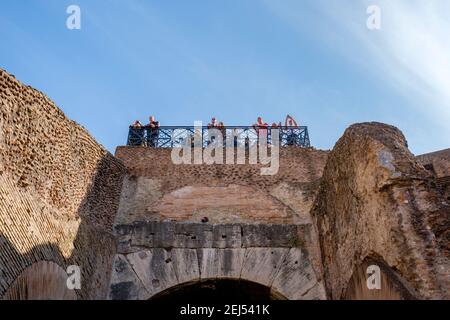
{"x": 411, "y": 52}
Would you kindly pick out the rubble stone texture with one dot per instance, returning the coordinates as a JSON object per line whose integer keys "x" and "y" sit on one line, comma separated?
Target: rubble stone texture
{"x": 377, "y": 200}
{"x": 133, "y": 221}
{"x": 259, "y": 228}
{"x": 59, "y": 191}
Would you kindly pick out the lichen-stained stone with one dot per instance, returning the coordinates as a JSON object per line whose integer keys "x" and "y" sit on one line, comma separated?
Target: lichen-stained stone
{"x": 220, "y": 263}
{"x": 153, "y": 234}
{"x": 155, "y": 268}
{"x": 193, "y": 235}
{"x": 261, "y": 264}
{"x": 124, "y": 284}
{"x": 269, "y": 235}
{"x": 186, "y": 264}
{"x": 172, "y": 234}
{"x": 295, "y": 277}
{"x": 227, "y": 236}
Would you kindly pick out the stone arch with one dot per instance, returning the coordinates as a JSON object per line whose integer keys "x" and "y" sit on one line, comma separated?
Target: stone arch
{"x": 43, "y": 280}
{"x": 147, "y": 273}
{"x": 219, "y": 289}
{"x": 392, "y": 286}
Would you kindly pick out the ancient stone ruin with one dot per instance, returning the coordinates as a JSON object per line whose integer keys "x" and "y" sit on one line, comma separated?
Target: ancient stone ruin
{"x": 134, "y": 222}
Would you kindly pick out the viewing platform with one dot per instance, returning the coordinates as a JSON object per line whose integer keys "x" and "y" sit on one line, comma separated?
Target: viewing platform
{"x": 176, "y": 136}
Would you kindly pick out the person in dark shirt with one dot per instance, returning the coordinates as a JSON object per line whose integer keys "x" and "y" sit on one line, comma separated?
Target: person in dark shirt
{"x": 152, "y": 132}
{"x": 136, "y": 134}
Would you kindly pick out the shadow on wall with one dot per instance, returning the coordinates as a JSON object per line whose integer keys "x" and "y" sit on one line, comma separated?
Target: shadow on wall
{"x": 40, "y": 273}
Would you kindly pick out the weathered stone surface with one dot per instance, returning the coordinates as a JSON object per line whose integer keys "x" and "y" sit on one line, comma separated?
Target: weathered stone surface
{"x": 124, "y": 284}
{"x": 269, "y": 235}
{"x": 261, "y": 264}
{"x": 221, "y": 263}
{"x": 155, "y": 269}
{"x": 437, "y": 162}
{"x": 167, "y": 234}
{"x": 147, "y": 273}
{"x": 295, "y": 277}
{"x": 227, "y": 236}
{"x": 59, "y": 191}
{"x": 157, "y": 189}
{"x": 186, "y": 264}
{"x": 376, "y": 200}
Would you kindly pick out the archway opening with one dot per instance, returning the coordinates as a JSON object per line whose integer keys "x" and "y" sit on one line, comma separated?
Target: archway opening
{"x": 216, "y": 290}
{"x": 363, "y": 283}
{"x": 43, "y": 280}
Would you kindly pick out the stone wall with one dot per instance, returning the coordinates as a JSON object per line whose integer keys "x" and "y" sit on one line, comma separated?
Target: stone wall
{"x": 158, "y": 189}
{"x": 157, "y": 256}
{"x": 376, "y": 201}
{"x": 258, "y": 227}
{"x": 134, "y": 226}
{"x": 438, "y": 162}
{"x": 59, "y": 191}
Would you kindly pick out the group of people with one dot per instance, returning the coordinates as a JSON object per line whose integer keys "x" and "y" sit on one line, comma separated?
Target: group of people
{"x": 137, "y": 130}
{"x": 260, "y": 124}
{"x": 152, "y": 123}
{"x": 215, "y": 124}
{"x": 289, "y": 123}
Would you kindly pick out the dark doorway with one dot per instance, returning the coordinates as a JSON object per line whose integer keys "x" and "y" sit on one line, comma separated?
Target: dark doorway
{"x": 219, "y": 290}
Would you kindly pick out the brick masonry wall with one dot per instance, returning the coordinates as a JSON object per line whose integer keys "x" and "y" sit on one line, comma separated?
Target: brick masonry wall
{"x": 158, "y": 189}
{"x": 59, "y": 190}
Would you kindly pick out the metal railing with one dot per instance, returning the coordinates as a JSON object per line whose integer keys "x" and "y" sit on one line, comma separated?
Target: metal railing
{"x": 176, "y": 136}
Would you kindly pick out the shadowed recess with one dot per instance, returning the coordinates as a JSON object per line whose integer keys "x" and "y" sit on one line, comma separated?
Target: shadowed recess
{"x": 219, "y": 290}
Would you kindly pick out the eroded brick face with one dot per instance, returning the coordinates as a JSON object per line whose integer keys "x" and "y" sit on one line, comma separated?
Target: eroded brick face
{"x": 157, "y": 189}
{"x": 59, "y": 190}
{"x": 135, "y": 224}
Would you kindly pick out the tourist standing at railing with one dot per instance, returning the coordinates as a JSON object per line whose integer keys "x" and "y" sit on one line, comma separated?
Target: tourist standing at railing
{"x": 136, "y": 134}
{"x": 152, "y": 132}
{"x": 223, "y": 131}
{"x": 137, "y": 124}
{"x": 261, "y": 128}
{"x": 213, "y": 123}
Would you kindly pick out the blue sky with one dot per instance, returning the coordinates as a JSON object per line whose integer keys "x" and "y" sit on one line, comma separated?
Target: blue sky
{"x": 189, "y": 60}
